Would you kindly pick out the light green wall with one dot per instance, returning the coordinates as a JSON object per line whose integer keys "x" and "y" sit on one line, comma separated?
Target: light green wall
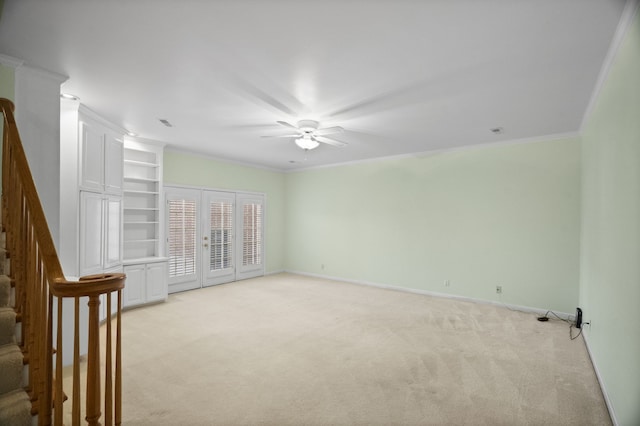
{"x": 7, "y": 86}
{"x": 7, "y": 81}
{"x": 504, "y": 216}
{"x": 610, "y": 262}
{"x": 185, "y": 169}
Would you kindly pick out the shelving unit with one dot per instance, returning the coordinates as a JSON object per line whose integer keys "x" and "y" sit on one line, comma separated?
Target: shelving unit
{"x": 144, "y": 265}
{"x": 142, "y": 190}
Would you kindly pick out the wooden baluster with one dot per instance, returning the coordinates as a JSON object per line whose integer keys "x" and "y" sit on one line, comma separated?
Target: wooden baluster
{"x": 108, "y": 391}
{"x": 37, "y": 319}
{"x": 75, "y": 406}
{"x": 93, "y": 364}
{"x": 15, "y": 264}
{"x": 40, "y": 318}
{"x": 32, "y": 269}
{"x": 5, "y": 171}
{"x": 47, "y": 377}
{"x": 19, "y": 249}
{"x": 32, "y": 314}
{"x": 118, "y": 407}
{"x": 59, "y": 398}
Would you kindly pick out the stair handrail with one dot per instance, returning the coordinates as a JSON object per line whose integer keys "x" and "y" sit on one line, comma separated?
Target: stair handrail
{"x": 38, "y": 279}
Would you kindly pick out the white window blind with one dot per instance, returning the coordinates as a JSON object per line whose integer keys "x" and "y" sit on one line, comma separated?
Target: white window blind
{"x": 252, "y": 234}
{"x": 182, "y": 238}
{"x": 221, "y": 217}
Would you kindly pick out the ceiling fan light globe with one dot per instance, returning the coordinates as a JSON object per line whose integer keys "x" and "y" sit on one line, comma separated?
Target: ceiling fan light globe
{"x": 306, "y": 143}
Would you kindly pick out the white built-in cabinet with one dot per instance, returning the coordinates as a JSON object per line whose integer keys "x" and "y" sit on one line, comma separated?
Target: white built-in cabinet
{"x": 100, "y": 232}
{"x": 110, "y": 205}
{"x": 101, "y": 152}
{"x": 100, "y": 184}
{"x": 146, "y": 283}
{"x": 91, "y": 164}
{"x": 145, "y": 267}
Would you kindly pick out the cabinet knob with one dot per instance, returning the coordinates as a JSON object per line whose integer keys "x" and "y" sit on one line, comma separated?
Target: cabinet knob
{"x": 205, "y": 245}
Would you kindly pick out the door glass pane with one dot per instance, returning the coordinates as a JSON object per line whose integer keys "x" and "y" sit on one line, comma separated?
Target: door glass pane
{"x": 182, "y": 238}
{"x": 221, "y": 218}
{"x": 252, "y": 234}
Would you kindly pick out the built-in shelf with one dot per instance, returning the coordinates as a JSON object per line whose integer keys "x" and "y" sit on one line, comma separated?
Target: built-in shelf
{"x": 139, "y": 179}
{"x": 140, "y": 163}
{"x": 146, "y": 269}
{"x": 128, "y": 191}
{"x": 145, "y": 260}
{"x": 142, "y": 187}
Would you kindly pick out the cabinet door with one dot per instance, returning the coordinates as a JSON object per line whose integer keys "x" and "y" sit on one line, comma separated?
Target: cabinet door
{"x": 156, "y": 281}
{"x": 113, "y": 165}
{"x": 134, "y": 285}
{"x": 91, "y": 157}
{"x": 91, "y": 232}
{"x": 113, "y": 231}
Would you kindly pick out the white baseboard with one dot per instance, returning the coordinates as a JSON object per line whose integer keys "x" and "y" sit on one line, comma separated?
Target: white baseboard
{"x": 607, "y": 400}
{"x": 526, "y": 309}
{"x": 180, "y": 287}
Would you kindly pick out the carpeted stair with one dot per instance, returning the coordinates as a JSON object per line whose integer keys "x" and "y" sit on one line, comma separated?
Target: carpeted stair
{"x": 15, "y": 406}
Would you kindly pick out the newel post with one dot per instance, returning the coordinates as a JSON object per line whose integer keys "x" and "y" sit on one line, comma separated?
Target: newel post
{"x": 93, "y": 363}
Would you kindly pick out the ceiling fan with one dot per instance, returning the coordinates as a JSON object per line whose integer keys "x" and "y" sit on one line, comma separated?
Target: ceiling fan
{"x": 309, "y": 136}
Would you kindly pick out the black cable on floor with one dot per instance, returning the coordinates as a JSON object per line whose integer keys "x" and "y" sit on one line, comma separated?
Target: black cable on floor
{"x": 545, "y": 317}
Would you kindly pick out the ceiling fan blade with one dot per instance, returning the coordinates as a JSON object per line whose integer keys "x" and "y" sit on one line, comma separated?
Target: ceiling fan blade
{"x": 328, "y": 130}
{"x": 261, "y": 126}
{"x": 329, "y": 141}
{"x": 297, "y": 135}
{"x": 285, "y": 124}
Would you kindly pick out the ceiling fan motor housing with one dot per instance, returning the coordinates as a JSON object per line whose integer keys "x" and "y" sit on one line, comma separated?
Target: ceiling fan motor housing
{"x": 308, "y": 126}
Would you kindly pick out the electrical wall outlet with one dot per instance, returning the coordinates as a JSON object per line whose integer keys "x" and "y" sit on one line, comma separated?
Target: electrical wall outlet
{"x": 498, "y": 289}
{"x": 447, "y": 283}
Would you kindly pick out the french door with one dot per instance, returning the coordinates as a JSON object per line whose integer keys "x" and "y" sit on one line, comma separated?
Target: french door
{"x": 214, "y": 237}
{"x": 250, "y": 239}
{"x": 182, "y": 230}
{"x": 218, "y": 237}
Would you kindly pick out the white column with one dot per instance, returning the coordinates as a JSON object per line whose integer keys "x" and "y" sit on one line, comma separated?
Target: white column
{"x": 37, "y": 100}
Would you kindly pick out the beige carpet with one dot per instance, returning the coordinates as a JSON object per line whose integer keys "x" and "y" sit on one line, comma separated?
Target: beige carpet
{"x": 292, "y": 350}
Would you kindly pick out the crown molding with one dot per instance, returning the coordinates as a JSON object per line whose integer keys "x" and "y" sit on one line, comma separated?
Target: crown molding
{"x": 185, "y": 151}
{"x": 10, "y": 61}
{"x": 423, "y": 154}
{"x": 628, "y": 14}
{"x": 88, "y": 112}
{"x": 50, "y": 75}
{"x": 16, "y": 63}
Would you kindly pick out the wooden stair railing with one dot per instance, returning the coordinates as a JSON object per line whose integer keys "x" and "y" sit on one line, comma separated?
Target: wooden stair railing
{"x": 40, "y": 288}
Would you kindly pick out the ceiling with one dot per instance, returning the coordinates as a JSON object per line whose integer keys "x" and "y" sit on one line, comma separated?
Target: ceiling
{"x": 400, "y": 76}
